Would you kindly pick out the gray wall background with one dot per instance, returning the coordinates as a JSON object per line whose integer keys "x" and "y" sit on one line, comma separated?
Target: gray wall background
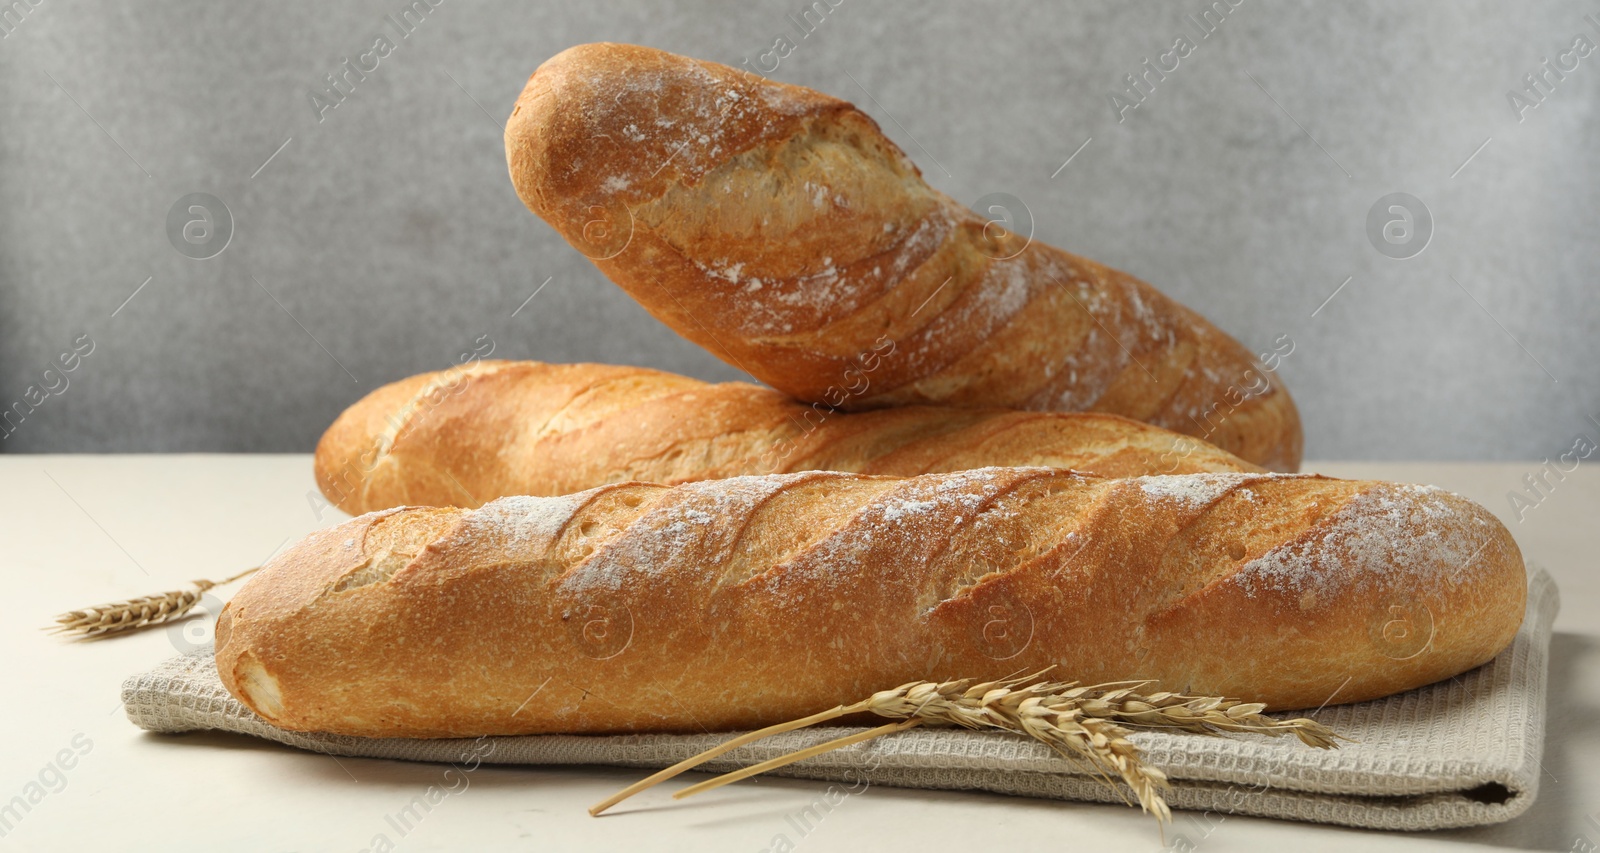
{"x": 386, "y": 240}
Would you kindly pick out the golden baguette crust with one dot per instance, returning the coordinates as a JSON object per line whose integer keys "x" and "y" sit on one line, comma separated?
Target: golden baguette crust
{"x": 476, "y": 432}
{"x": 737, "y": 603}
{"x": 781, "y": 230}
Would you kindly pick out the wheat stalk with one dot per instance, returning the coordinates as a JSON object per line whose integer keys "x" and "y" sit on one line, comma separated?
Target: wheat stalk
{"x": 135, "y": 613}
{"x": 1081, "y": 723}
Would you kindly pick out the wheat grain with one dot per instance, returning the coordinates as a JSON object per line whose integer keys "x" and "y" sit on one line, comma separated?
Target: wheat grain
{"x": 134, "y": 613}
{"x": 1085, "y": 724}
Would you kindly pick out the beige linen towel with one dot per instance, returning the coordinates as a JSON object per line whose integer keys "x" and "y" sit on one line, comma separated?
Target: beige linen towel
{"x": 1461, "y": 752}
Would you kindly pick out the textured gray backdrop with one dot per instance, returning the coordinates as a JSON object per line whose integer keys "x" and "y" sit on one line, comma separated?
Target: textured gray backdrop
{"x": 380, "y": 237}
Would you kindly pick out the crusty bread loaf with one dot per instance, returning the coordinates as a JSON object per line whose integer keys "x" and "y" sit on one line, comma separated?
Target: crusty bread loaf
{"x": 735, "y": 603}
{"x": 781, "y": 230}
{"x": 480, "y": 431}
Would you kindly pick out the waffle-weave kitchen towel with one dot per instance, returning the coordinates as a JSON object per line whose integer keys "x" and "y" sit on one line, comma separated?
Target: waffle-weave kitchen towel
{"x": 1462, "y": 752}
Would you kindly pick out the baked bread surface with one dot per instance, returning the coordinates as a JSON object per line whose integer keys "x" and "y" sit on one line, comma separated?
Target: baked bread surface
{"x": 781, "y": 230}
{"x": 736, "y": 603}
{"x": 476, "y": 432}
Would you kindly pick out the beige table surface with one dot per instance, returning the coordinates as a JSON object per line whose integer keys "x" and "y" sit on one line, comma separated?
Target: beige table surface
{"x": 77, "y": 530}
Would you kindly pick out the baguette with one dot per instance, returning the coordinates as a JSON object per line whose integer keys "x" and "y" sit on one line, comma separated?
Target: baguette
{"x": 480, "y": 431}
{"x": 737, "y": 603}
{"x": 781, "y": 230}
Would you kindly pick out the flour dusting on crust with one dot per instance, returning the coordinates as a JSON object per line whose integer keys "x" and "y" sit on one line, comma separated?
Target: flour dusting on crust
{"x": 691, "y": 534}
{"x": 522, "y": 521}
{"x": 1192, "y": 491}
{"x": 1394, "y": 533}
{"x": 902, "y": 528}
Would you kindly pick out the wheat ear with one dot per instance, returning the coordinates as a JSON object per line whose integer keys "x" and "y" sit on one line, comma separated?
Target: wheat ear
{"x": 1081, "y": 723}
{"x": 143, "y": 612}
